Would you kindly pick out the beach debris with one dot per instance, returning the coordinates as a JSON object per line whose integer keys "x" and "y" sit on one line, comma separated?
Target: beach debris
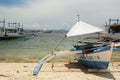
{"x": 17, "y": 71}
{"x": 25, "y": 66}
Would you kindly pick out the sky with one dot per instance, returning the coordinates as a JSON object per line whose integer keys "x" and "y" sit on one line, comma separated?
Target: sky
{"x": 58, "y": 14}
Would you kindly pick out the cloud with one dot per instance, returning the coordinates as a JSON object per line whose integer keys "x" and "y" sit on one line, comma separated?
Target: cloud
{"x": 56, "y": 13}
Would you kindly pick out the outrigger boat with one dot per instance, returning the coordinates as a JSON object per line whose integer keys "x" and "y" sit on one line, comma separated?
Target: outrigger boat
{"x": 94, "y": 55}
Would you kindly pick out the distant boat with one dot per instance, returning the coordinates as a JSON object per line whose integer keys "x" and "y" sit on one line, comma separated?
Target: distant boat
{"x": 11, "y": 32}
{"x": 113, "y": 27}
{"x": 46, "y": 31}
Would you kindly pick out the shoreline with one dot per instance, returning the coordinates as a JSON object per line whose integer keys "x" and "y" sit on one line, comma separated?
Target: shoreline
{"x": 55, "y": 71}
{"x": 15, "y": 59}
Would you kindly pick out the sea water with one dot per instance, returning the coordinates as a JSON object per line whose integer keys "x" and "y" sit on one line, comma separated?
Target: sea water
{"x": 32, "y": 49}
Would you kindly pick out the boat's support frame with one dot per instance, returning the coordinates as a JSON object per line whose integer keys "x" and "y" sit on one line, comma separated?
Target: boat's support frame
{"x": 50, "y": 56}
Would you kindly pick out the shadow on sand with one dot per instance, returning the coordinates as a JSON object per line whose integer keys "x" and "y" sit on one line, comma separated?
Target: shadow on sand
{"x": 76, "y": 66}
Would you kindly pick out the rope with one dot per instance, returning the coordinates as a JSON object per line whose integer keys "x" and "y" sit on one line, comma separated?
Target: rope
{"x": 59, "y": 43}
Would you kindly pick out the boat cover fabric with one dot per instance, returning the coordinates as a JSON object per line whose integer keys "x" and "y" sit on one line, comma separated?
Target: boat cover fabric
{"x": 81, "y": 28}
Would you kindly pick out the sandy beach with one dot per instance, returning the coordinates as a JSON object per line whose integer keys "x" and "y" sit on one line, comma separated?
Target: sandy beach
{"x": 55, "y": 71}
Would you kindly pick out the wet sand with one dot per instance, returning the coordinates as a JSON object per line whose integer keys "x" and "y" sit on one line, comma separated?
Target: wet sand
{"x": 55, "y": 71}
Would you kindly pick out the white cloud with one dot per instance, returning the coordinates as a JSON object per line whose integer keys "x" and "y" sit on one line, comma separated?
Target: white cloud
{"x": 55, "y": 13}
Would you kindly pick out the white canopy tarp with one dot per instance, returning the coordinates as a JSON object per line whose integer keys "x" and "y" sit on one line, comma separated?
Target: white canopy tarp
{"x": 81, "y": 28}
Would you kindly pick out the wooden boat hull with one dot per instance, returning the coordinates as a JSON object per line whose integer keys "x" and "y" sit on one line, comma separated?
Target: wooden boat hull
{"x": 98, "y": 60}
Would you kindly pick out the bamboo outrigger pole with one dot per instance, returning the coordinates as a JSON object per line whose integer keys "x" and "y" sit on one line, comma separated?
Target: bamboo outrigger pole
{"x": 46, "y": 58}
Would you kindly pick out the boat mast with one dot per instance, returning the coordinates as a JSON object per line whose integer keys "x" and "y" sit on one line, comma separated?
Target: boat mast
{"x": 4, "y": 27}
{"x": 78, "y": 17}
{"x": 4, "y": 30}
{"x": 79, "y": 24}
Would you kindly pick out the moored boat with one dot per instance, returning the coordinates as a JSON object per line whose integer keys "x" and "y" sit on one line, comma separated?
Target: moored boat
{"x": 14, "y": 30}
{"x": 46, "y": 31}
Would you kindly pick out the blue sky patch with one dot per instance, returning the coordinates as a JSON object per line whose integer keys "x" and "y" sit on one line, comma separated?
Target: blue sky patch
{"x": 10, "y": 3}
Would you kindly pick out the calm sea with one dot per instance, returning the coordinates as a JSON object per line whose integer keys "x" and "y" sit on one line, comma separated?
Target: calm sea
{"x": 32, "y": 49}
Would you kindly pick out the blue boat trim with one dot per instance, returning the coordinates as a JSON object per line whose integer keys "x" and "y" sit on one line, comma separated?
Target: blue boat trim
{"x": 94, "y": 64}
{"x": 93, "y": 50}
{"x": 101, "y": 49}
{"x": 116, "y": 49}
{"x": 7, "y": 38}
